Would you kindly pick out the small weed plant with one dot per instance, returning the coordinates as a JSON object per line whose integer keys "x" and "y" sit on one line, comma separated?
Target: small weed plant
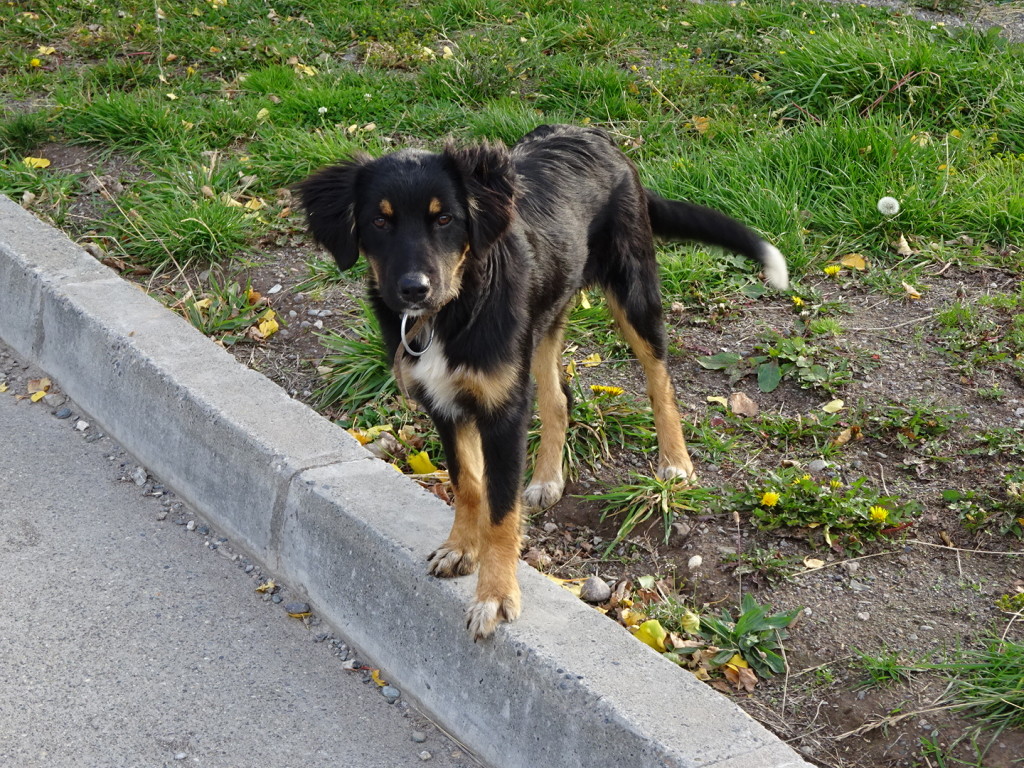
{"x": 845, "y": 516}
{"x": 755, "y": 634}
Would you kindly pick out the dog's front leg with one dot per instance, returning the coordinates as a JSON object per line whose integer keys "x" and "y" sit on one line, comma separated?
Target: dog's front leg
{"x": 503, "y": 446}
{"x": 459, "y": 554}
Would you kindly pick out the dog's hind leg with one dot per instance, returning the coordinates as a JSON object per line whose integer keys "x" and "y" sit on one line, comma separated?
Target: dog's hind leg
{"x": 459, "y": 554}
{"x": 548, "y": 483}
{"x": 639, "y": 317}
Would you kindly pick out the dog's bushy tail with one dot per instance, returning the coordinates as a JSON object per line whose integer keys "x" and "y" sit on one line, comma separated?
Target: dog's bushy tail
{"x": 678, "y": 220}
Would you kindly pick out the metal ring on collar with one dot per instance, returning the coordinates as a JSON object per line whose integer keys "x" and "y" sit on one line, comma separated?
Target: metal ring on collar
{"x": 405, "y": 343}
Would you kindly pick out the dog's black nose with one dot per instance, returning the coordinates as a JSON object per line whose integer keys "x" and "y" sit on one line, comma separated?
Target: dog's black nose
{"x": 413, "y": 287}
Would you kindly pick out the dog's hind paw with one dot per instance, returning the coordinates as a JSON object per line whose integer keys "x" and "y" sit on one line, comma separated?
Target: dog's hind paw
{"x": 484, "y": 616}
{"x": 672, "y": 473}
{"x": 543, "y": 495}
{"x": 446, "y": 562}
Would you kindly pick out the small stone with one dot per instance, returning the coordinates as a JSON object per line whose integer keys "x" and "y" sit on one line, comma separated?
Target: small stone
{"x": 390, "y": 693}
{"x": 424, "y": 755}
{"x": 139, "y": 477}
{"x": 863, "y": 616}
{"x": 54, "y": 399}
{"x": 419, "y": 737}
{"x": 818, "y": 465}
{"x": 595, "y": 590}
{"x": 296, "y": 607}
{"x": 203, "y": 530}
{"x": 850, "y": 566}
{"x": 191, "y": 525}
{"x": 276, "y": 288}
{"x": 550, "y": 527}
{"x": 180, "y": 756}
{"x": 695, "y": 562}
{"x": 62, "y": 413}
{"x": 81, "y": 425}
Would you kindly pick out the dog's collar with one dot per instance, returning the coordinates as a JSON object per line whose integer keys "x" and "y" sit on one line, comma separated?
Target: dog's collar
{"x": 417, "y": 329}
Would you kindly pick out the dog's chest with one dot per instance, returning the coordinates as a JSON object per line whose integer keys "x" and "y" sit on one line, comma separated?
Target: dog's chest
{"x": 432, "y": 374}
{"x": 450, "y": 389}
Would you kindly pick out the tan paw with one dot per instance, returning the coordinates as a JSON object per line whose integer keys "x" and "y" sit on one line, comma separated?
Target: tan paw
{"x": 671, "y": 472}
{"x": 447, "y": 562}
{"x": 543, "y": 495}
{"x": 484, "y": 616}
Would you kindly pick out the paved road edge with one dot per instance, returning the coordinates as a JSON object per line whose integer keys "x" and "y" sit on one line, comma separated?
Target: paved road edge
{"x": 561, "y": 686}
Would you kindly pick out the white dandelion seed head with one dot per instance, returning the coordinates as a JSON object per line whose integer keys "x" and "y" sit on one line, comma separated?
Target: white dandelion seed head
{"x": 888, "y": 206}
{"x": 322, "y": 110}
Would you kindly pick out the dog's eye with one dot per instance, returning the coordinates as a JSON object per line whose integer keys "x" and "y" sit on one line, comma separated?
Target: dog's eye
{"x": 444, "y": 220}
{"x": 380, "y": 222}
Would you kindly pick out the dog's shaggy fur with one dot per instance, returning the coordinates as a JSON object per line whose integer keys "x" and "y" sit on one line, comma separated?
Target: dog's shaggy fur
{"x": 481, "y": 252}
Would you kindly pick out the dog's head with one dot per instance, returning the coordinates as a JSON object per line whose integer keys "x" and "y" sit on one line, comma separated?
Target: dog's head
{"x": 418, "y": 217}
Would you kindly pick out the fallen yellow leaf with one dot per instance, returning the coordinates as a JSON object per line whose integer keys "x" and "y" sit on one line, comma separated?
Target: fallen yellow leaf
{"x": 653, "y": 634}
{"x": 46, "y": 50}
{"x": 3, "y": 386}
{"x": 854, "y": 261}
{"x": 36, "y": 162}
{"x": 268, "y": 324}
{"x": 267, "y": 587}
{"x": 573, "y": 585}
{"x": 421, "y": 464}
{"x": 375, "y": 674}
{"x": 584, "y": 301}
{"x": 591, "y": 360}
{"x": 813, "y": 563}
{"x": 912, "y": 293}
{"x": 37, "y": 397}
{"x": 833, "y": 406}
{"x": 701, "y": 124}
{"x": 718, "y": 399}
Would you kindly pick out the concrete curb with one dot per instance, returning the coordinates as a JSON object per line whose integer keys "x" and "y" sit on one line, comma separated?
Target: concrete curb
{"x": 561, "y": 686}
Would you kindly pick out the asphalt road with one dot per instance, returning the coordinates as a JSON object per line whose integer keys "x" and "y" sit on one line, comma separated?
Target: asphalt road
{"x": 128, "y": 640}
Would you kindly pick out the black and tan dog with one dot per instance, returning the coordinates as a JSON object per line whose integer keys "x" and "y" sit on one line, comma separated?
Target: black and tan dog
{"x": 476, "y": 255}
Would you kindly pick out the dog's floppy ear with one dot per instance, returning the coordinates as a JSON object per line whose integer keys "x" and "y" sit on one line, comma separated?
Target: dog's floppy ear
{"x": 489, "y": 180}
{"x": 329, "y": 198}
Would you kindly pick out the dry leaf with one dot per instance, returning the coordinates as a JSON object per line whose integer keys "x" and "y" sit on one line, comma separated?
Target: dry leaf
{"x": 38, "y": 385}
{"x": 848, "y": 434}
{"x": 903, "y": 247}
{"x": 267, "y": 587}
{"x": 742, "y": 405}
{"x": 912, "y": 293}
{"x": 717, "y": 399}
{"x": 854, "y": 261}
{"x": 833, "y": 406}
{"x": 591, "y": 360}
{"x": 813, "y": 563}
{"x": 653, "y": 634}
{"x": 421, "y": 464}
{"x": 701, "y": 124}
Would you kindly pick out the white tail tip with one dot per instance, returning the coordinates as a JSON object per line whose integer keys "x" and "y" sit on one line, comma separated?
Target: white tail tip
{"x": 775, "y": 270}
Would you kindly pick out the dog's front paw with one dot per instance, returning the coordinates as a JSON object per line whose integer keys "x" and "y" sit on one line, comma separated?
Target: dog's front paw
{"x": 672, "y": 472}
{"x": 543, "y": 495}
{"x": 484, "y": 616}
{"x": 447, "y": 561}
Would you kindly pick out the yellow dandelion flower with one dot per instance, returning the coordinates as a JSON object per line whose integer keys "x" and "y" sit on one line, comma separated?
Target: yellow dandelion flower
{"x": 601, "y": 389}
{"x": 879, "y": 514}
{"x": 797, "y": 301}
{"x": 35, "y": 63}
{"x": 836, "y": 484}
{"x": 769, "y": 499}
{"x": 832, "y": 270}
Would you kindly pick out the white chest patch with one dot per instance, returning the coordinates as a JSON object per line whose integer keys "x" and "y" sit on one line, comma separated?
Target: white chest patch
{"x": 432, "y": 372}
